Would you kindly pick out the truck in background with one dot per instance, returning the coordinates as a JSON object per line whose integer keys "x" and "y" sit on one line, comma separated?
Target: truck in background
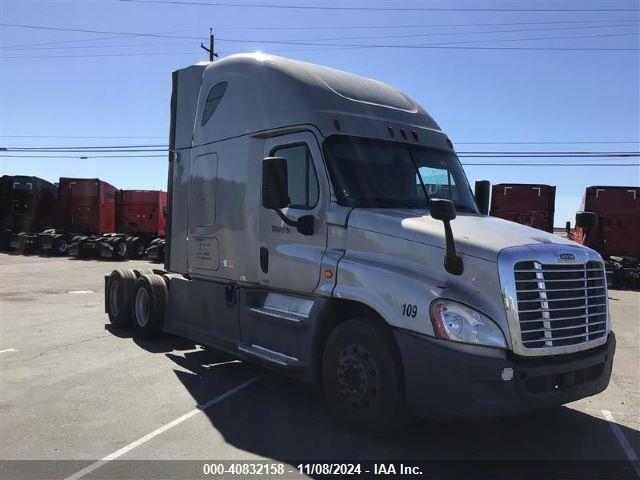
{"x": 609, "y": 222}
{"x": 528, "y": 204}
{"x": 320, "y": 224}
{"x": 27, "y": 206}
{"x": 86, "y": 211}
{"x": 141, "y": 220}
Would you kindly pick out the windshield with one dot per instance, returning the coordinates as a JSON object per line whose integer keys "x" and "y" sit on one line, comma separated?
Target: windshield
{"x": 374, "y": 173}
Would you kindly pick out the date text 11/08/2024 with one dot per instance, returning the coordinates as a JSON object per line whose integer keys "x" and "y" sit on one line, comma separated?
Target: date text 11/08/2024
{"x": 358, "y": 469}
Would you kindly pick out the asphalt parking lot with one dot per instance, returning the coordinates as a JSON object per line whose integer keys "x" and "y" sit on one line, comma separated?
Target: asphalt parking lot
{"x": 75, "y": 390}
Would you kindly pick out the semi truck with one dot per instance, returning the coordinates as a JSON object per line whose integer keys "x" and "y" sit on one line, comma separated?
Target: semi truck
{"x": 528, "y": 204}
{"x": 321, "y": 225}
{"x": 141, "y": 224}
{"x": 612, "y": 228}
{"x": 86, "y": 211}
{"x": 27, "y": 206}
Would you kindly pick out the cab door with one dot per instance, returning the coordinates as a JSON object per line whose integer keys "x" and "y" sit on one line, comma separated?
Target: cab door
{"x": 289, "y": 260}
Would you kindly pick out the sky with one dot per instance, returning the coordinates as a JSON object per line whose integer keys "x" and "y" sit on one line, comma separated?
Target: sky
{"x": 554, "y": 78}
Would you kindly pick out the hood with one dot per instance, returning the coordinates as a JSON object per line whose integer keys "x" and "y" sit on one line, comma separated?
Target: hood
{"x": 475, "y": 235}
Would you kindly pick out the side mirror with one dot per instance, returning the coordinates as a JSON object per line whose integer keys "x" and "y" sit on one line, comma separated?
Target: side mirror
{"x": 586, "y": 220}
{"x": 444, "y": 210}
{"x": 275, "y": 194}
{"x": 482, "y": 194}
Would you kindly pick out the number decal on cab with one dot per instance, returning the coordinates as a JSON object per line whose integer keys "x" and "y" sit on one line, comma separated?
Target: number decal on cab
{"x": 409, "y": 310}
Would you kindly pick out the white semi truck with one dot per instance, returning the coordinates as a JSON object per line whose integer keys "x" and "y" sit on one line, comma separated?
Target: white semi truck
{"x": 320, "y": 224}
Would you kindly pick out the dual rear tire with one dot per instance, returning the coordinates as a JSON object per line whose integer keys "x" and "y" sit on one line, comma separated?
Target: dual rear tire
{"x": 137, "y": 301}
{"x": 149, "y": 305}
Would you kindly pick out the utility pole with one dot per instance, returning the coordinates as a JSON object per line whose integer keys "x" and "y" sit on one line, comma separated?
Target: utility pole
{"x": 212, "y": 53}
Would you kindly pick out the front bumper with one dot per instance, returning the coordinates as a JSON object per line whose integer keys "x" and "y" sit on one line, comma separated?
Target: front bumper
{"x": 445, "y": 379}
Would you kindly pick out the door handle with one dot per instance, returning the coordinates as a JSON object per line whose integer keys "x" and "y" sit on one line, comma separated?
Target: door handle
{"x": 264, "y": 259}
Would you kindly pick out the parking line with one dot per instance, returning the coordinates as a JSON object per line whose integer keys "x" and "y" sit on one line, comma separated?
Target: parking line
{"x": 164, "y": 428}
{"x": 622, "y": 440}
{"x": 8, "y": 350}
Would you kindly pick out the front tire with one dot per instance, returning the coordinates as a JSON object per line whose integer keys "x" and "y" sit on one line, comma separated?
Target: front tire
{"x": 362, "y": 377}
{"x": 149, "y": 305}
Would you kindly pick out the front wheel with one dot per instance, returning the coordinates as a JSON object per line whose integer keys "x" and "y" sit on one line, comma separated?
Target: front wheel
{"x": 362, "y": 377}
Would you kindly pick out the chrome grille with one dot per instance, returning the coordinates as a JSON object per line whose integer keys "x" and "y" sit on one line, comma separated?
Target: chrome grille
{"x": 560, "y": 304}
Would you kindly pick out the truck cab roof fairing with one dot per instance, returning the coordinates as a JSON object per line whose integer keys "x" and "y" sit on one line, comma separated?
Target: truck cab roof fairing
{"x": 268, "y": 92}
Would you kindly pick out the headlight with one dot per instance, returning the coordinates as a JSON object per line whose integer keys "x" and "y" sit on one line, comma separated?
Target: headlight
{"x": 459, "y": 323}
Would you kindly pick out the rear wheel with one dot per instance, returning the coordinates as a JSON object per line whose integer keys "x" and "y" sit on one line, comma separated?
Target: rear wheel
{"x": 120, "y": 248}
{"x": 617, "y": 277}
{"x": 60, "y": 245}
{"x": 119, "y": 297}
{"x": 149, "y": 305}
{"x": 362, "y": 377}
{"x": 136, "y": 247}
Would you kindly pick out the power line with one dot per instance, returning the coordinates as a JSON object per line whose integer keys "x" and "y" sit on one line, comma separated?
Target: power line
{"x": 466, "y": 152}
{"x": 88, "y": 157}
{"x": 555, "y": 164}
{"x": 334, "y": 47}
{"x": 429, "y": 34}
{"x": 377, "y": 9}
{"x": 81, "y": 30}
{"x": 544, "y": 143}
{"x": 462, "y": 154}
{"x": 85, "y": 148}
{"x": 92, "y": 47}
{"x": 82, "y": 157}
{"x": 509, "y": 142}
{"x": 440, "y": 45}
{"x": 99, "y": 55}
{"x": 526, "y": 39}
{"x": 75, "y": 136}
{"x": 409, "y": 35}
{"x": 304, "y": 28}
{"x": 83, "y": 40}
{"x": 443, "y": 45}
{"x": 421, "y": 25}
{"x": 550, "y": 154}
{"x": 123, "y": 150}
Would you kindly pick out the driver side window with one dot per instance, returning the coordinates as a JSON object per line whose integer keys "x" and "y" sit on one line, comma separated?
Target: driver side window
{"x": 301, "y": 173}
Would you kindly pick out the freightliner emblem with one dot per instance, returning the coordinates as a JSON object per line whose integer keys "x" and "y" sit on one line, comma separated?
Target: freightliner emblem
{"x": 567, "y": 257}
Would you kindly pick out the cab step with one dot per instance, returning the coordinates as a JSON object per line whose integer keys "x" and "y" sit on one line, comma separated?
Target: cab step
{"x": 274, "y": 358}
{"x": 279, "y": 313}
